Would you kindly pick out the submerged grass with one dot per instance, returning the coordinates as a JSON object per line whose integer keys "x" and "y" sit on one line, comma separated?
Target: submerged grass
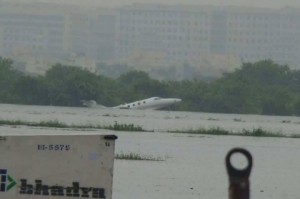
{"x": 295, "y": 136}
{"x": 256, "y": 132}
{"x": 136, "y": 156}
{"x": 212, "y": 131}
{"x": 50, "y": 123}
{"x": 125, "y": 127}
{"x": 57, "y": 124}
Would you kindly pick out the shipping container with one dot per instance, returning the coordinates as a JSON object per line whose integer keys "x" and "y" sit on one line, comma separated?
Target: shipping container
{"x": 56, "y": 164}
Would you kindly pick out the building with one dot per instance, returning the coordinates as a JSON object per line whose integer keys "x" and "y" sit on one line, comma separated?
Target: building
{"x": 198, "y": 33}
{"x": 212, "y": 39}
{"x": 177, "y": 33}
{"x": 40, "y": 32}
{"x": 256, "y": 34}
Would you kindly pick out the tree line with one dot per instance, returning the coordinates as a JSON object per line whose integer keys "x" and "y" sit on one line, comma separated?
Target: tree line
{"x": 262, "y": 87}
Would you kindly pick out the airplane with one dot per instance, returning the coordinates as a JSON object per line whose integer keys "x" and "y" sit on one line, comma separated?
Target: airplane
{"x": 152, "y": 103}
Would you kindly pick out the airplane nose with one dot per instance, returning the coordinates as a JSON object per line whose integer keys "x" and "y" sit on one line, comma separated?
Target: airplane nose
{"x": 177, "y": 100}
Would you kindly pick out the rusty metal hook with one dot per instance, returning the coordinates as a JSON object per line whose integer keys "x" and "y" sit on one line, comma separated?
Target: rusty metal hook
{"x": 239, "y": 178}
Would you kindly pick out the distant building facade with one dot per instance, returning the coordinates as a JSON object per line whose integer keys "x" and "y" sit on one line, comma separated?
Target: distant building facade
{"x": 91, "y": 33}
{"x": 38, "y": 32}
{"x": 145, "y": 35}
{"x": 175, "y": 32}
{"x": 191, "y": 33}
{"x": 24, "y": 32}
{"x": 256, "y": 34}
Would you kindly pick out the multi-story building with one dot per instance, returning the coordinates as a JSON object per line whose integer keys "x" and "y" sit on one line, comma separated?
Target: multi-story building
{"x": 103, "y": 30}
{"x": 201, "y": 33}
{"x": 256, "y": 34}
{"x": 144, "y": 35}
{"x": 23, "y": 31}
{"x": 177, "y": 33}
{"x": 62, "y": 33}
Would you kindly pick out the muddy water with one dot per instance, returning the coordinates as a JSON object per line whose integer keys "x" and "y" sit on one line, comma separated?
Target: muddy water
{"x": 193, "y": 165}
{"x": 150, "y": 120}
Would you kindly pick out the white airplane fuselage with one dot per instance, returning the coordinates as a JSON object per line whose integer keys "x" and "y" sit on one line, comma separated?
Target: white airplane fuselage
{"x": 152, "y": 103}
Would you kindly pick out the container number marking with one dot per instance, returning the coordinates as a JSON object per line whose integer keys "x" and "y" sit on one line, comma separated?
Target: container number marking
{"x": 53, "y": 147}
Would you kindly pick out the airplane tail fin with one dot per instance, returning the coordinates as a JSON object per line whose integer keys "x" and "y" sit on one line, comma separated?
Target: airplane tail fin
{"x": 88, "y": 103}
{"x": 91, "y": 104}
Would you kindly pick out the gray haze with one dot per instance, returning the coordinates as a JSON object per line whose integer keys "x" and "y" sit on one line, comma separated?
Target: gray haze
{"x": 255, "y": 3}
{"x": 168, "y": 39}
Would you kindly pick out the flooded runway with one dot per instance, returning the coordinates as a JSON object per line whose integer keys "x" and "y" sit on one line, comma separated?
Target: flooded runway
{"x": 193, "y": 165}
{"x": 150, "y": 120}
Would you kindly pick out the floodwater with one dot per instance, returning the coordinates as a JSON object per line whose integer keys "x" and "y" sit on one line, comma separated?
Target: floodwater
{"x": 193, "y": 165}
{"x": 150, "y": 120}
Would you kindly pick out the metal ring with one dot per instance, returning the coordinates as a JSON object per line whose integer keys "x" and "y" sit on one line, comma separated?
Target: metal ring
{"x": 232, "y": 171}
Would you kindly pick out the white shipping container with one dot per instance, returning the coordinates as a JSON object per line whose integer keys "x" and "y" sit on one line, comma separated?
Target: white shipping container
{"x": 56, "y": 166}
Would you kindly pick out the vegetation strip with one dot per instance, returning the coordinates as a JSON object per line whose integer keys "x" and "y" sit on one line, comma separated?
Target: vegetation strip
{"x": 255, "y": 132}
{"x": 263, "y": 88}
{"x": 57, "y": 124}
{"x": 136, "y": 156}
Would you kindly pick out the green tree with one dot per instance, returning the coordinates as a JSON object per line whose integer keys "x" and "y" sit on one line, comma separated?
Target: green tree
{"x": 278, "y": 101}
{"x": 8, "y": 79}
{"x": 139, "y": 85}
{"x": 68, "y": 85}
{"x": 32, "y": 90}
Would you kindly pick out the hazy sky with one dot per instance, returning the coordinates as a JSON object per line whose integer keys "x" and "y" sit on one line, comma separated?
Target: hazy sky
{"x": 256, "y": 3}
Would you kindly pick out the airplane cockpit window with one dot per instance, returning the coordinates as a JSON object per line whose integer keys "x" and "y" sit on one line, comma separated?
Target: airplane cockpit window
{"x": 156, "y": 98}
